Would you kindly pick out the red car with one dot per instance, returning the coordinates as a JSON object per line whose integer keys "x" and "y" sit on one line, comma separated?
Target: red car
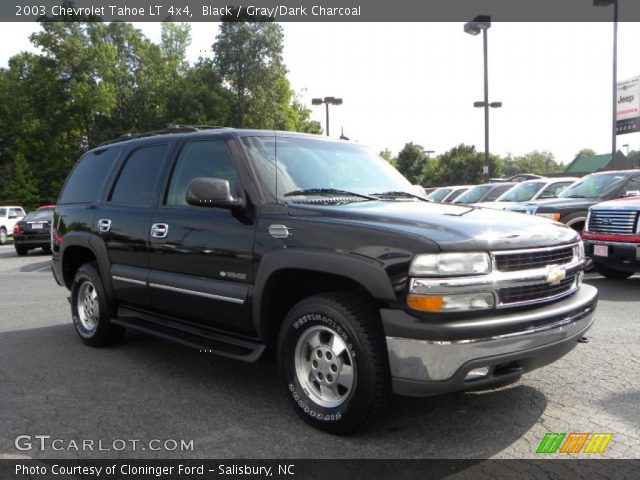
{"x": 612, "y": 237}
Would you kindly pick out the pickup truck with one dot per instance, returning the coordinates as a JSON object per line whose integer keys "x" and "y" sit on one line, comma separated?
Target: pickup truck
{"x": 250, "y": 244}
{"x": 612, "y": 237}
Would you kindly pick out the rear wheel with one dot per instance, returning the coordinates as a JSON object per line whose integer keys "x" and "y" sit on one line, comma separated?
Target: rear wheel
{"x": 3, "y": 235}
{"x": 91, "y": 309}
{"x": 22, "y": 251}
{"x": 332, "y": 356}
{"x": 614, "y": 274}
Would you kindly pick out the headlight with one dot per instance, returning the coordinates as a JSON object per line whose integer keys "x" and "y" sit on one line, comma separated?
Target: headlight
{"x": 552, "y": 216}
{"x": 450, "y": 264}
{"x": 579, "y": 250}
{"x": 451, "y": 303}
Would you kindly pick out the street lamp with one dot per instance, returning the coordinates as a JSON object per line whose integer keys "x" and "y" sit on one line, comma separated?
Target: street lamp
{"x": 327, "y": 101}
{"x": 428, "y": 152}
{"x": 606, "y": 3}
{"x": 481, "y": 23}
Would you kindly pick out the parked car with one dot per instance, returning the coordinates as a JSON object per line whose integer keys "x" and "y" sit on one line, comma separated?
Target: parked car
{"x": 572, "y": 204}
{"x": 241, "y": 242}
{"x": 447, "y": 194}
{"x": 487, "y": 192}
{"x": 428, "y": 190}
{"x": 8, "y": 218}
{"x": 34, "y": 231}
{"x": 612, "y": 237}
{"x": 520, "y": 177}
{"x": 530, "y": 190}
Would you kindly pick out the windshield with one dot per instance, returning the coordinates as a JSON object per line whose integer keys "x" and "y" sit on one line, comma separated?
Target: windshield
{"x": 39, "y": 215}
{"x": 439, "y": 194}
{"x": 473, "y": 195}
{"x": 322, "y": 167}
{"x": 594, "y": 186}
{"x": 521, "y": 192}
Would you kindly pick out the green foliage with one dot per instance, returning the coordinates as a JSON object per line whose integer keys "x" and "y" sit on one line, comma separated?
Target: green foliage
{"x": 388, "y": 156}
{"x": 542, "y": 163}
{"x": 410, "y": 162}
{"x": 462, "y": 165}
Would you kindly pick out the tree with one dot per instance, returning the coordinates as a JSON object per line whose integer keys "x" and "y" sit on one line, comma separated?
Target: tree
{"x": 388, "y": 156}
{"x": 586, "y": 152}
{"x": 541, "y": 163}
{"x": 462, "y": 165}
{"x": 410, "y": 161}
{"x": 248, "y": 56}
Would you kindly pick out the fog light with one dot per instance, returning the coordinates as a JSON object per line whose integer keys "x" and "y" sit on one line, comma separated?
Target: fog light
{"x": 451, "y": 303}
{"x": 477, "y": 373}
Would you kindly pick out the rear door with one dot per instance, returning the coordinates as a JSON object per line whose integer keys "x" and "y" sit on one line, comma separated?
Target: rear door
{"x": 201, "y": 257}
{"x": 123, "y": 221}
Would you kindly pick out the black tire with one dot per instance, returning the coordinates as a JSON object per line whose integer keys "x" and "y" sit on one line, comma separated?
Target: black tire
{"x": 21, "y": 251}
{"x": 613, "y": 274}
{"x": 93, "y": 323}
{"x": 3, "y": 235}
{"x": 47, "y": 250}
{"x": 357, "y": 328}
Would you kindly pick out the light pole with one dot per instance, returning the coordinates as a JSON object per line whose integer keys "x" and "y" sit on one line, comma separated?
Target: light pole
{"x": 428, "y": 153}
{"x": 481, "y": 23}
{"x": 327, "y": 101}
{"x": 606, "y": 3}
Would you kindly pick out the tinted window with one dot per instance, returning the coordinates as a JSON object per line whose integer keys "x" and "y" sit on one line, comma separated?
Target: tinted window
{"x": 455, "y": 194}
{"x": 595, "y": 186}
{"x": 3, "y": 212}
{"x": 39, "y": 215}
{"x": 473, "y": 194}
{"x": 553, "y": 190}
{"x": 208, "y": 158}
{"x": 439, "y": 194}
{"x": 136, "y": 184}
{"x": 86, "y": 179}
{"x": 633, "y": 185}
{"x": 496, "y": 192}
{"x": 521, "y": 192}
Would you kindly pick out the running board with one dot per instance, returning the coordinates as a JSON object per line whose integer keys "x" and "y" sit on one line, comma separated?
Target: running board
{"x": 191, "y": 336}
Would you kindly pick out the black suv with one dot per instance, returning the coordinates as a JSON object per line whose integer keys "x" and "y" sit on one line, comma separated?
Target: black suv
{"x": 246, "y": 242}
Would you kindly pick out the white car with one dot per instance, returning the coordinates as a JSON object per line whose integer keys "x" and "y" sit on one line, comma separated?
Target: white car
{"x": 538, "y": 189}
{"x": 9, "y": 216}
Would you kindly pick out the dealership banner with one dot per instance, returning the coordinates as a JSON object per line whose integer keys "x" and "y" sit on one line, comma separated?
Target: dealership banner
{"x": 628, "y": 106}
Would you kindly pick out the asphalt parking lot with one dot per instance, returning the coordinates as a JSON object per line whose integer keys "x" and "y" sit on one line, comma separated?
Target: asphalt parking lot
{"x": 145, "y": 388}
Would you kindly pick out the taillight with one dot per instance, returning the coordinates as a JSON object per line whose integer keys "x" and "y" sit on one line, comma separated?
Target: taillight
{"x": 16, "y": 229}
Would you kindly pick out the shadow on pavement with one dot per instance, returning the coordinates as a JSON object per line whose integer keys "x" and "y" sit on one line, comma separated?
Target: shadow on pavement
{"x": 146, "y": 388}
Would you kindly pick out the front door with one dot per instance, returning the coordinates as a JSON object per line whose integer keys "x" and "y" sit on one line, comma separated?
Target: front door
{"x": 200, "y": 257}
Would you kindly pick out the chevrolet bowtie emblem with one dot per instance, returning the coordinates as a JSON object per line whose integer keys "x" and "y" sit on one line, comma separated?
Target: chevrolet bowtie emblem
{"x": 556, "y": 275}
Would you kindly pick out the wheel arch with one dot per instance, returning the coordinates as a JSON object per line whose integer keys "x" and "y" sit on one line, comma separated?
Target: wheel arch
{"x": 79, "y": 248}
{"x": 285, "y": 277}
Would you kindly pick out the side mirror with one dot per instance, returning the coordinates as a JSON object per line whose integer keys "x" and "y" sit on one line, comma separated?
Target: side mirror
{"x": 632, "y": 193}
{"x": 212, "y": 192}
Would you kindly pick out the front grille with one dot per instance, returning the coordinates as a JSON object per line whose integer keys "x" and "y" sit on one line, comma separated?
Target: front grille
{"x": 514, "y": 295}
{"x": 510, "y": 262}
{"x": 613, "y": 221}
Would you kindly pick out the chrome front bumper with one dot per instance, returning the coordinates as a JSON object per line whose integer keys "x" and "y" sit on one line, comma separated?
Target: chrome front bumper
{"x": 448, "y": 363}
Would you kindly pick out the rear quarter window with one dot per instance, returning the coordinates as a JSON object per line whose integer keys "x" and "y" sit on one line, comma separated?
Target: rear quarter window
{"x": 84, "y": 185}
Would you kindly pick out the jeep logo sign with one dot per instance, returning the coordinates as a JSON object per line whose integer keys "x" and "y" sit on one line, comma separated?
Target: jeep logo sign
{"x": 628, "y": 106}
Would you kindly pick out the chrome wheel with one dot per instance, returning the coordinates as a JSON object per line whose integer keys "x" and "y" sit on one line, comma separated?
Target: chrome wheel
{"x": 3, "y": 236}
{"x": 324, "y": 366}
{"x": 88, "y": 306}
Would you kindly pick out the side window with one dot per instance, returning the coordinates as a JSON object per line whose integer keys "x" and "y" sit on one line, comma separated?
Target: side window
{"x": 138, "y": 179}
{"x": 633, "y": 185}
{"x": 203, "y": 158}
{"x": 553, "y": 190}
{"x": 3, "y": 212}
{"x": 496, "y": 192}
{"x": 14, "y": 213}
{"x": 86, "y": 179}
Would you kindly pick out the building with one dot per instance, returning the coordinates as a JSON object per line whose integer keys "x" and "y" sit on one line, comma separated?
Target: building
{"x": 586, "y": 164}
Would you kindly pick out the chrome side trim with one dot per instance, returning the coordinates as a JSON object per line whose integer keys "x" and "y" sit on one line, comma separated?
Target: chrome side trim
{"x": 534, "y": 250}
{"x": 198, "y": 294}
{"x": 592, "y": 241}
{"x": 129, "y": 280}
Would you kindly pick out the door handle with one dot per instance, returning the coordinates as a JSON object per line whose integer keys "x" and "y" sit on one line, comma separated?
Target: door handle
{"x": 159, "y": 230}
{"x": 104, "y": 225}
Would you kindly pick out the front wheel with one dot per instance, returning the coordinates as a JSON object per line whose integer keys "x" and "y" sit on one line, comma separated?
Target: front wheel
{"x": 91, "y": 309}
{"x": 3, "y": 235}
{"x": 333, "y": 359}
{"x": 21, "y": 251}
{"x": 614, "y": 274}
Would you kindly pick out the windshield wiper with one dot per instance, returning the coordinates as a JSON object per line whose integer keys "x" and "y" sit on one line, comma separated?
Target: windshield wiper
{"x": 328, "y": 192}
{"x": 394, "y": 193}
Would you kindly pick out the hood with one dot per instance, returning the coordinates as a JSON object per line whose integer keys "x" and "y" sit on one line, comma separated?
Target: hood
{"x": 629, "y": 203}
{"x": 452, "y": 227}
{"x": 553, "y": 204}
{"x": 494, "y": 205}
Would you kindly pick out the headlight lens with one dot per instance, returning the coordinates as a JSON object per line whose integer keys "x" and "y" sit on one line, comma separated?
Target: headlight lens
{"x": 552, "y": 216}
{"x": 451, "y": 303}
{"x": 579, "y": 250}
{"x": 450, "y": 264}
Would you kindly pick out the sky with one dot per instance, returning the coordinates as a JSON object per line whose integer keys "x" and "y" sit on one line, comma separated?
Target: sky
{"x": 416, "y": 82}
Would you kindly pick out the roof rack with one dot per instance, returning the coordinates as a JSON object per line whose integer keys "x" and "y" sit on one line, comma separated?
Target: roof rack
{"x": 169, "y": 129}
